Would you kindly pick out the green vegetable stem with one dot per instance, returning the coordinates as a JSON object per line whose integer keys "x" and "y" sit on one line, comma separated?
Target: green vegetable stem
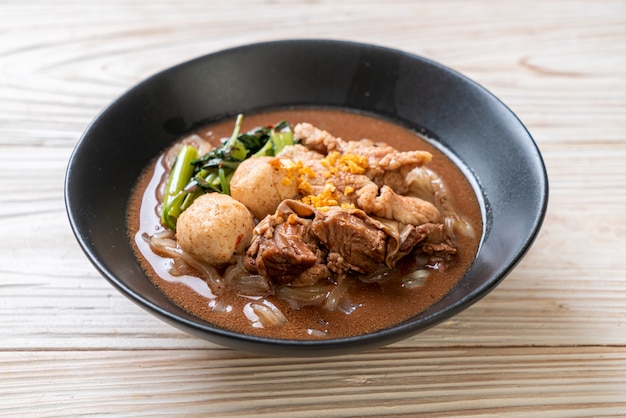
{"x": 176, "y": 194}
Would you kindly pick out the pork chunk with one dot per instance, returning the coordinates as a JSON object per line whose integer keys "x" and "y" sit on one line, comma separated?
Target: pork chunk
{"x": 386, "y": 165}
{"x": 360, "y": 243}
{"x": 390, "y": 205}
{"x": 285, "y": 250}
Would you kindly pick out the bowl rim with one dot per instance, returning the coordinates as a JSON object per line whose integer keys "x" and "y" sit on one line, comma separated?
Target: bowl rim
{"x": 332, "y": 345}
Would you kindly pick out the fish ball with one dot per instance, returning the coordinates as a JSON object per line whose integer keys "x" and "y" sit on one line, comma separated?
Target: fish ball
{"x": 261, "y": 183}
{"x": 215, "y": 228}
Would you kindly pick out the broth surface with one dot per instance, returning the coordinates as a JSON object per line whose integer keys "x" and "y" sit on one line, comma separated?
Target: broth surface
{"x": 378, "y": 306}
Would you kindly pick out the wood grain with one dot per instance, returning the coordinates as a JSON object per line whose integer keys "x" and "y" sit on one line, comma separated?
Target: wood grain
{"x": 502, "y": 381}
{"x": 549, "y": 341}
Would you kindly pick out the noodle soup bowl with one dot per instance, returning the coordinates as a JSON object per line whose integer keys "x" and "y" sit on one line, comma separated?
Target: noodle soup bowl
{"x": 475, "y": 129}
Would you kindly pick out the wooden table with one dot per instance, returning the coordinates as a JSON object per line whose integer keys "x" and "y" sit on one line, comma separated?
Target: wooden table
{"x": 550, "y": 341}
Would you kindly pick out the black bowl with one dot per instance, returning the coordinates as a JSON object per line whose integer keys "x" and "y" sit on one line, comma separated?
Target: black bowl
{"x": 487, "y": 140}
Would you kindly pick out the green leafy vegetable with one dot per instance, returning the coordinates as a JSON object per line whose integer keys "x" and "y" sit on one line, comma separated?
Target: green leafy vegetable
{"x": 192, "y": 176}
{"x": 215, "y": 169}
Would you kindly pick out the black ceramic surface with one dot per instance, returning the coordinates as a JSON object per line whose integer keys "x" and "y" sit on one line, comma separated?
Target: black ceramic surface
{"x": 490, "y": 143}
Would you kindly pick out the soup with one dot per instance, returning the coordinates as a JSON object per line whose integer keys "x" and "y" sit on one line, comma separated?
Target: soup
{"x": 334, "y": 236}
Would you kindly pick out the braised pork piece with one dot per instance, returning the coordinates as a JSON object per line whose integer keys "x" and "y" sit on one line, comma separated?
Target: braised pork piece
{"x": 352, "y": 225}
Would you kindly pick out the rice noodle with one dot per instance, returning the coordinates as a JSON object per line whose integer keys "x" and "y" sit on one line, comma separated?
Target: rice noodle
{"x": 179, "y": 267}
{"x": 336, "y": 295}
{"x": 253, "y": 285}
{"x": 316, "y": 332}
{"x": 209, "y": 273}
{"x": 264, "y": 314}
{"x": 162, "y": 238}
{"x": 456, "y": 224}
{"x": 420, "y": 184}
{"x": 347, "y": 306}
{"x": 234, "y": 271}
{"x": 162, "y": 244}
{"x": 426, "y": 184}
{"x": 237, "y": 277}
{"x": 304, "y": 296}
{"x": 219, "y": 306}
{"x": 376, "y": 277}
{"x": 415, "y": 279}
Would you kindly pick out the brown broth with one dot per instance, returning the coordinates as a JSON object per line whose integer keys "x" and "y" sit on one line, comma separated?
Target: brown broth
{"x": 379, "y": 306}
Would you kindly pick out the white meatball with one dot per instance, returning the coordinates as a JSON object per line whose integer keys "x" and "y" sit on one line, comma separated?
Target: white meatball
{"x": 214, "y": 228}
{"x": 261, "y": 183}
